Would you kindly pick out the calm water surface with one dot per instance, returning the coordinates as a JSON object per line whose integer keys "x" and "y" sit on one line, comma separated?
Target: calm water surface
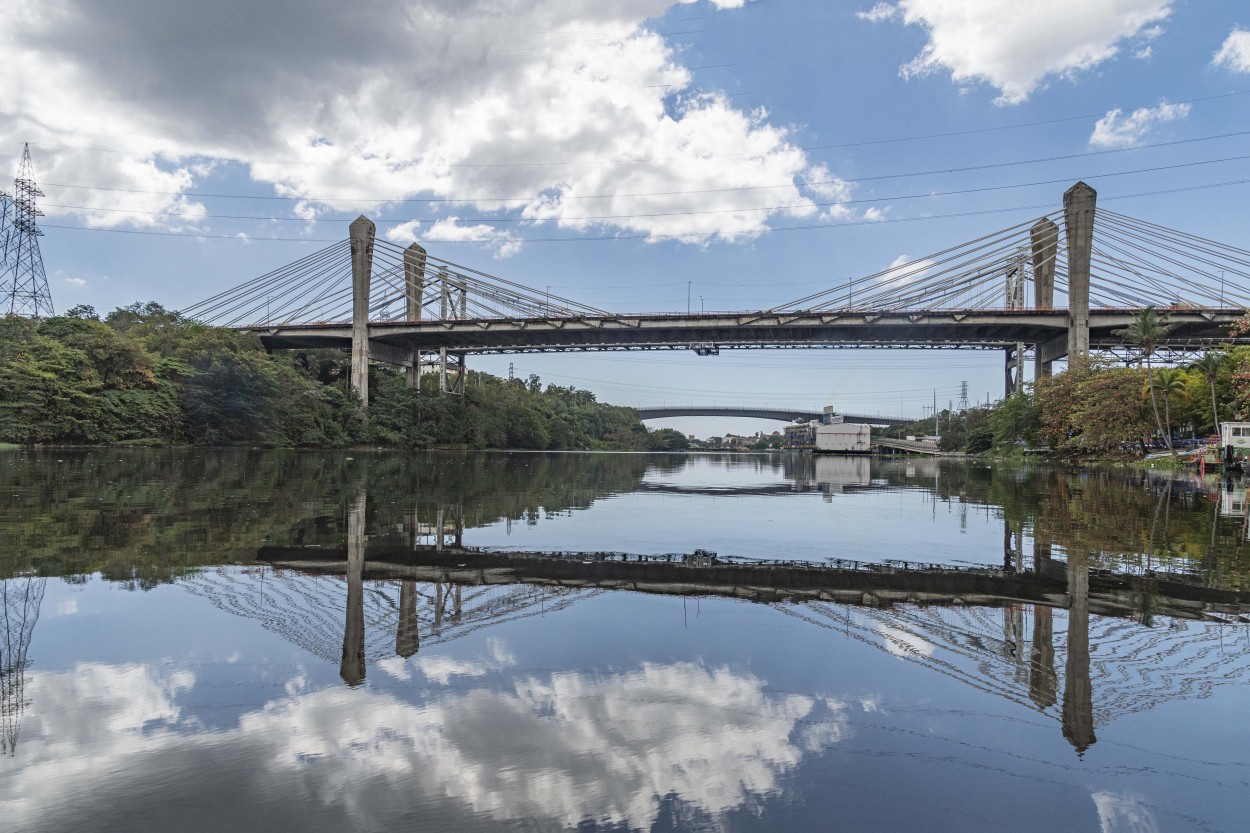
{"x": 239, "y": 640}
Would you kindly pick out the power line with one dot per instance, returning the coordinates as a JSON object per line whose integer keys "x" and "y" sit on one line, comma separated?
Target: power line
{"x": 681, "y": 237}
{"x": 526, "y": 199}
{"x": 479, "y": 219}
{"x": 644, "y": 160}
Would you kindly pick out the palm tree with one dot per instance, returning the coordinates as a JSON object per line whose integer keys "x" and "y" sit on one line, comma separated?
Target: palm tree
{"x": 1170, "y": 382}
{"x": 1147, "y": 329}
{"x": 1209, "y": 366}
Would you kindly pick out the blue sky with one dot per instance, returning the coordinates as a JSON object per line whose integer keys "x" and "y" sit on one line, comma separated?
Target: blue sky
{"x": 754, "y": 152}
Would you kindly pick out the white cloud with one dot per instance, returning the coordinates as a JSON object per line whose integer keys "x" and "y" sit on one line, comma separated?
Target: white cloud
{"x": 75, "y": 281}
{"x": 1117, "y": 130}
{"x": 1015, "y": 46}
{"x": 557, "y": 750}
{"x": 67, "y": 607}
{"x": 572, "y": 106}
{"x": 1235, "y": 53}
{"x": 450, "y": 230}
{"x": 880, "y": 12}
{"x": 1144, "y": 54}
{"x": 903, "y": 270}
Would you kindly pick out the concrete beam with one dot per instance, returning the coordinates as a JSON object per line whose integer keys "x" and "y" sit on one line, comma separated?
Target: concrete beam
{"x": 1078, "y": 216}
{"x": 361, "y": 234}
{"x": 380, "y": 351}
{"x": 1048, "y": 351}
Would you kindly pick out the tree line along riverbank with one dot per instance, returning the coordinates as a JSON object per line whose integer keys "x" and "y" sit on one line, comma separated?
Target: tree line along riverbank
{"x": 145, "y": 375}
{"x": 1103, "y": 407}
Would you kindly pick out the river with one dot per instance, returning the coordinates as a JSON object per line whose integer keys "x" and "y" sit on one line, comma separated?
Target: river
{"x": 360, "y": 641}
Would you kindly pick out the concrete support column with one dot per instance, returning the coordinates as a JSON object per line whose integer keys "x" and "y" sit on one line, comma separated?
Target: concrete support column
{"x": 1078, "y": 217}
{"x": 414, "y": 286}
{"x": 362, "y": 232}
{"x": 1044, "y": 237}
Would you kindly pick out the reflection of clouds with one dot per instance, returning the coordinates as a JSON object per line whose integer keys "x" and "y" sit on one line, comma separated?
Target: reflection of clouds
{"x": 561, "y": 748}
{"x": 1123, "y": 813}
{"x": 83, "y": 720}
{"x": 439, "y": 669}
{"x": 903, "y": 643}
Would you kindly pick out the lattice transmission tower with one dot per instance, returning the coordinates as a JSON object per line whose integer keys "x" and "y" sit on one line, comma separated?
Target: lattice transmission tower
{"x": 23, "y": 283}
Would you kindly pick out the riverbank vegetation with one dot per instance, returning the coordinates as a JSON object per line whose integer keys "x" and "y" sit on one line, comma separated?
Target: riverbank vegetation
{"x": 1104, "y": 407}
{"x": 143, "y": 375}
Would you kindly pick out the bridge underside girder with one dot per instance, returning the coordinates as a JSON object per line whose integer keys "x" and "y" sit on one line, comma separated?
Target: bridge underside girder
{"x": 987, "y": 329}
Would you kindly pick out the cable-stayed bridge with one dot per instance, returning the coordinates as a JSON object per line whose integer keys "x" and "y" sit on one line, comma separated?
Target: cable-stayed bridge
{"x": 1060, "y": 286}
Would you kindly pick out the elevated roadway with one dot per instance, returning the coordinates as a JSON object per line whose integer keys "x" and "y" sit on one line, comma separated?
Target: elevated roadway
{"x": 395, "y": 341}
{"x": 906, "y": 446}
{"x": 780, "y": 414}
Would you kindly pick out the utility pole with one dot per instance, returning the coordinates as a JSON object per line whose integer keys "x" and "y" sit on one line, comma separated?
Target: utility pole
{"x": 688, "y": 283}
{"x": 23, "y": 283}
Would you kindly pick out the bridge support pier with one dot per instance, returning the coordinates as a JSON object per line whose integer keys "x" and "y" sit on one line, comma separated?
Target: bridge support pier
{"x": 414, "y": 287}
{"x": 1013, "y": 369}
{"x": 1044, "y": 239}
{"x": 1079, "y": 203}
{"x": 362, "y": 232}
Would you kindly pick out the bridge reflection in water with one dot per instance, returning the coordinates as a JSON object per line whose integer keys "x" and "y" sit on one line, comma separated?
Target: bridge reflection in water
{"x": 993, "y": 629}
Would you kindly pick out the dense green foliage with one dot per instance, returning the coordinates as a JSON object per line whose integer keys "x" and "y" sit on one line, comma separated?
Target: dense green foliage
{"x": 1099, "y": 407}
{"x": 145, "y": 375}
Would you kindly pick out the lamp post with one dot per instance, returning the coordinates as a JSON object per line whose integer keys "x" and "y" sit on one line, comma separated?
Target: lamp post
{"x": 700, "y": 305}
{"x": 548, "y": 297}
{"x": 688, "y": 283}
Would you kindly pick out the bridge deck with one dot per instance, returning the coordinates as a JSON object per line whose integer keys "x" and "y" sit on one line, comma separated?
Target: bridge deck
{"x": 990, "y": 329}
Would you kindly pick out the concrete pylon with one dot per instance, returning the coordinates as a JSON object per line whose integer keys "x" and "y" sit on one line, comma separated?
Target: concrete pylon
{"x": 1078, "y": 217}
{"x": 414, "y": 286}
{"x": 1044, "y": 240}
{"x": 361, "y": 236}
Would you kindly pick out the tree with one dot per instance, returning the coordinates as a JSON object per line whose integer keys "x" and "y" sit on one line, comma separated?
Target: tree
{"x": 1209, "y": 366}
{"x": 1172, "y": 384}
{"x": 1147, "y": 329}
{"x": 1018, "y": 417}
{"x": 1093, "y": 408}
{"x": 667, "y": 439}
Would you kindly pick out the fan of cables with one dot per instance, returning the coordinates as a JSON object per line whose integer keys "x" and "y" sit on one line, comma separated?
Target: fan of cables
{"x": 318, "y": 289}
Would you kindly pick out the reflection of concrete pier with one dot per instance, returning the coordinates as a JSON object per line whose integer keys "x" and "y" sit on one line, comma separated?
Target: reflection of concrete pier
{"x": 1078, "y": 709}
{"x": 352, "y": 668}
{"x": 407, "y": 639}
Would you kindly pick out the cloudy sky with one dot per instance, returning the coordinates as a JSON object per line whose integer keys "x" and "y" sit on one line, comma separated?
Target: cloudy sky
{"x": 637, "y": 155}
